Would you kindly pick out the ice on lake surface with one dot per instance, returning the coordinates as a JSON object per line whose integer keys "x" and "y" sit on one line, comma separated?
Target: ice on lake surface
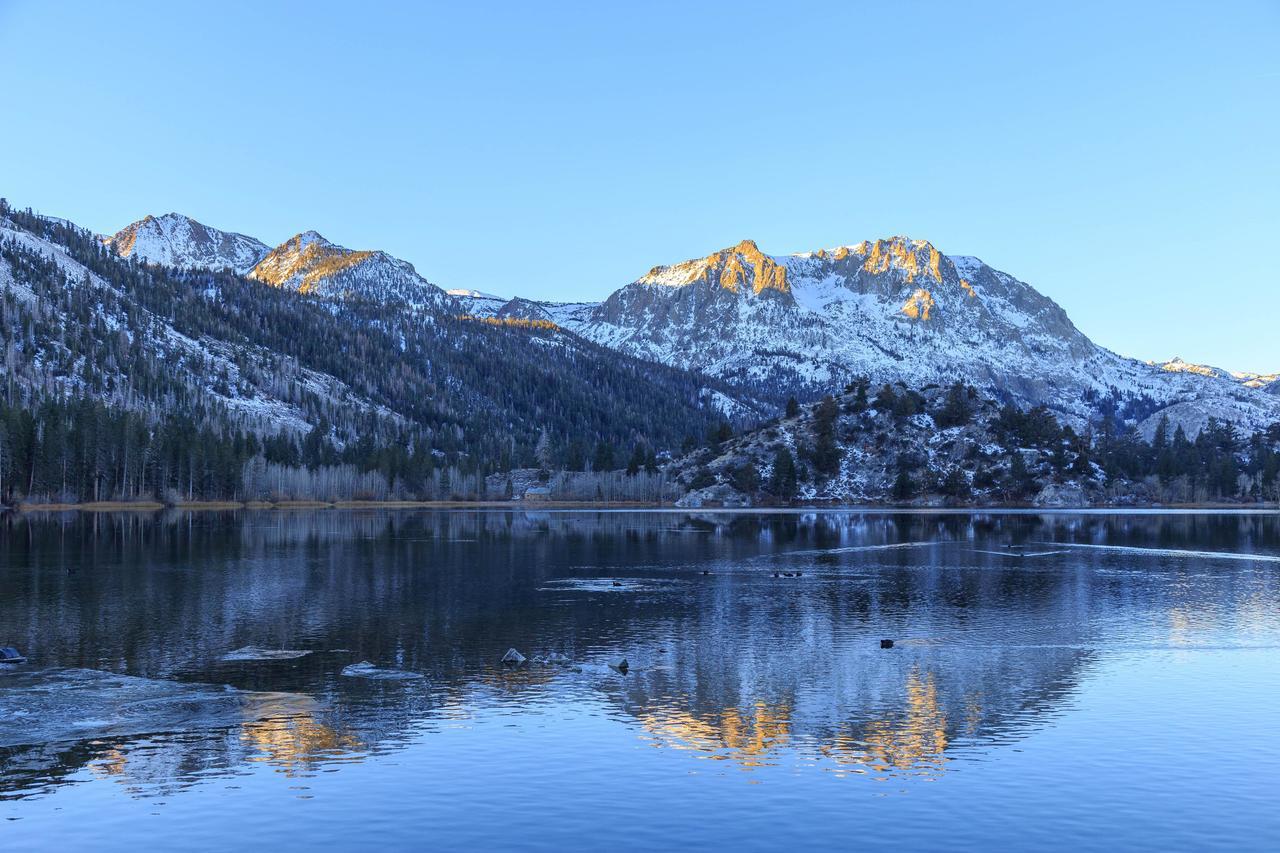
{"x": 364, "y": 669}
{"x": 254, "y": 653}
{"x": 272, "y": 680}
{"x": 66, "y": 705}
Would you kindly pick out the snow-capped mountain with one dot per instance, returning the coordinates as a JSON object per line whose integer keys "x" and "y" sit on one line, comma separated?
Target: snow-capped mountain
{"x": 179, "y": 241}
{"x": 893, "y": 309}
{"x": 1244, "y": 377}
{"x": 311, "y": 264}
{"x": 478, "y": 303}
{"x": 237, "y": 353}
{"x": 770, "y": 326}
{"x": 255, "y": 387}
{"x": 306, "y": 262}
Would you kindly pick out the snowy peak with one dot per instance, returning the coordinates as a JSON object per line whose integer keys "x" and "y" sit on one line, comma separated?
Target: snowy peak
{"x": 304, "y": 262}
{"x": 310, "y": 264}
{"x": 466, "y": 293}
{"x": 912, "y": 261}
{"x": 179, "y": 241}
{"x": 738, "y": 269}
{"x": 1177, "y": 365}
{"x": 1243, "y": 377}
{"x": 918, "y": 281}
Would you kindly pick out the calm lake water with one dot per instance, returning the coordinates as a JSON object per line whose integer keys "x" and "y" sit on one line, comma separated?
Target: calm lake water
{"x": 1091, "y": 681}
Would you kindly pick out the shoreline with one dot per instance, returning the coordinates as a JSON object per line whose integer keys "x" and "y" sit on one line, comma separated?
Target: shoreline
{"x": 607, "y": 506}
{"x": 155, "y": 506}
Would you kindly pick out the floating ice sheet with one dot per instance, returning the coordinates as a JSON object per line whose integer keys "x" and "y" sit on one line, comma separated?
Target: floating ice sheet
{"x": 607, "y": 585}
{"x": 854, "y": 549}
{"x": 57, "y": 705}
{"x": 1173, "y": 552}
{"x": 249, "y": 653}
{"x": 1014, "y": 553}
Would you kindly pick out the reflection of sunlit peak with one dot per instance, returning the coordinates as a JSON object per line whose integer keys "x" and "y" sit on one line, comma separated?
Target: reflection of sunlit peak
{"x": 296, "y": 741}
{"x": 113, "y": 763}
{"x": 913, "y": 743}
{"x": 727, "y": 735}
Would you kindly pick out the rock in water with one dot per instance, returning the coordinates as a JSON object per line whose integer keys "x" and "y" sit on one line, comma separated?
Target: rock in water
{"x": 364, "y": 669}
{"x": 513, "y": 658}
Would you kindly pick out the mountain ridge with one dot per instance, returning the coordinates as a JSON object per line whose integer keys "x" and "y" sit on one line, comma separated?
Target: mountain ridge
{"x": 773, "y": 326}
{"x": 176, "y": 240}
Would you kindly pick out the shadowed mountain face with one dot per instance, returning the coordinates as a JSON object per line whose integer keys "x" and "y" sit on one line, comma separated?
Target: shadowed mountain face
{"x": 750, "y": 639}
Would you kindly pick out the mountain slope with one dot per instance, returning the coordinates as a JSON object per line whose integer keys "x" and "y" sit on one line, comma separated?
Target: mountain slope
{"x": 238, "y": 353}
{"x": 175, "y": 240}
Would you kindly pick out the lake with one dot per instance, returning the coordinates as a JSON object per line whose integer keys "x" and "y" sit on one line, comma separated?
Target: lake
{"x": 285, "y": 680}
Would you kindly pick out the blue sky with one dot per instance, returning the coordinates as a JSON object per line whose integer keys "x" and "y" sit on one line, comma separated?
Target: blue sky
{"x": 1123, "y": 158}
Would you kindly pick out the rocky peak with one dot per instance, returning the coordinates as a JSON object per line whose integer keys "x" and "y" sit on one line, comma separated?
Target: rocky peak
{"x": 304, "y": 260}
{"x": 308, "y": 263}
{"x": 914, "y": 260}
{"x": 742, "y": 268}
{"x": 179, "y": 241}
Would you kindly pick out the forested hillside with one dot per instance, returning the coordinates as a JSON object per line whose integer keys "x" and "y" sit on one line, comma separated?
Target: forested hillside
{"x": 952, "y": 445}
{"x": 123, "y": 379}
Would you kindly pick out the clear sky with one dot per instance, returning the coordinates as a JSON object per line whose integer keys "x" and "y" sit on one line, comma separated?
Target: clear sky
{"x": 1124, "y": 158}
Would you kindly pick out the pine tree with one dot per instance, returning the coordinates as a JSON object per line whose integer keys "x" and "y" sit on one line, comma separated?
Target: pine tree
{"x": 826, "y": 453}
{"x": 782, "y": 481}
{"x": 602, "y": 459}
{"x": 637, "y": 460}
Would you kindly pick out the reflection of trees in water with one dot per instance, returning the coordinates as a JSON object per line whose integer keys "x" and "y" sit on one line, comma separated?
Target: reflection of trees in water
{"x": 754, "y": 669}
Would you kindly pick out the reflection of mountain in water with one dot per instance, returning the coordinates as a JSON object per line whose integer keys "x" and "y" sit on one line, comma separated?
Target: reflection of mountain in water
{"x": 736, "y": 664}
{"x": 744, "y": 683}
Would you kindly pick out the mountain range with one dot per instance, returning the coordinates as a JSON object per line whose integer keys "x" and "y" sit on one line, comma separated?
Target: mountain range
{"x": 890, "y": 310}
{"x": 760, "y": 328}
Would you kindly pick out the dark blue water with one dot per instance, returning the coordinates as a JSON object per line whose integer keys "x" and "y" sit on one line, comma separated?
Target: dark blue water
{"x": 1088, "y": 681}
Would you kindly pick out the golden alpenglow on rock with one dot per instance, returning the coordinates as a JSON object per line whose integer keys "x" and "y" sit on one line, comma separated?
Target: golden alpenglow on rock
{"x": 303, "y": 263}
{"x": 903, "y": 254}
{"x": 745, "y": 262}
{"x": 919, "y": 306}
